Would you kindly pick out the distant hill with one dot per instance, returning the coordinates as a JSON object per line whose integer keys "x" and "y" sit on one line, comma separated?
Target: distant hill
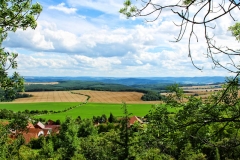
{"x": 134, "y": 81}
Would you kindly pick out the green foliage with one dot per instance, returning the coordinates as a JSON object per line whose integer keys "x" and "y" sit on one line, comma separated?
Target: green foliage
{"x": 189, "y": 154}
{"x": 15, "y": 15}
{"x": 125, "y": 136}
{"x": 235, "y": 29}
{"x": 37, "y": 143}
{"x": 128, "y": 9}
{"x": 3, "y": 141}
{"x": 176, "y": 90}
{"x": 10, "y": 149}
{"x": 111, "y": 118}
{"x": 47, "y": 150}
{"x": 196, "y": 130}
{"x": 86, "y": 128}
{"x": 151, "y": 96}
{"x": 6, "y": 114}
{"x": 19, "y": 121}
{"x": 67, "y": 139}
{"x": 152, "y": 154}
{"x": 187, "y": 2}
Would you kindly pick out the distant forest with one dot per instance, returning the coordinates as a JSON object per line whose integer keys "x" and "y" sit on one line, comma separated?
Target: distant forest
{"x": 81, "y": 85}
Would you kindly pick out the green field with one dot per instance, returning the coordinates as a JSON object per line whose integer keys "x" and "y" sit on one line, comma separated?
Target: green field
{"x": 55, "y": 106}
{"x": 84, "y": 111}
{"x": 97, "y": 109}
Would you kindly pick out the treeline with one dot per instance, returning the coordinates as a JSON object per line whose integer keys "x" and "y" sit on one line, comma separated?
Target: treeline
{"x": 80, "y": 85}
{"x": 152, "y": 96}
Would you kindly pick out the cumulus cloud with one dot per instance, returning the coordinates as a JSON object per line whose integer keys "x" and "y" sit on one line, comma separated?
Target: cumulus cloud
{"x": 106, "y": 43}
{"x": 74, "y": 45}
{"x": 61, "y": 7}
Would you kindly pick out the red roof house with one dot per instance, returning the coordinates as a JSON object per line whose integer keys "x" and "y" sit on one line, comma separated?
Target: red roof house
{"x": 135, "y": 119}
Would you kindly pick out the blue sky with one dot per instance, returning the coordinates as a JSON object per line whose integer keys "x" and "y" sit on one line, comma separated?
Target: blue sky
{"x": 90, "y": 38}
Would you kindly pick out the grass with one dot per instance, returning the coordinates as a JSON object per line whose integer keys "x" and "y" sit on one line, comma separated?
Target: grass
{"x": 84, "y": 111}
{"x": 97, "y": 109}
{"x": 55, "y": 106}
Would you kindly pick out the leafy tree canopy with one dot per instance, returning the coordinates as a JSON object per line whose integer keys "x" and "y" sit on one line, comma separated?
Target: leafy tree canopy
{"x": 14, "y": 14}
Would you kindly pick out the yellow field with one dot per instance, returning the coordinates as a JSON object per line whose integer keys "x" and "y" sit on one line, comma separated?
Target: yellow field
{"x": 114, "y": 97}
{"x": 52, "y": 96}
{"x": 96, "y": 96}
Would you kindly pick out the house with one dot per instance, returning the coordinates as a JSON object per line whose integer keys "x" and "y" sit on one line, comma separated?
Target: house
{"x": 51, "y": 128}
{"x": 32, "y": 133}
{"x": 35, "y": 131}
{"x": 134, "y": 119}
{"x": 50, "y": 122}
{"x": 39, "y": 125}
{"x": 54, "y": 129}
{"x": 30, "y": 125}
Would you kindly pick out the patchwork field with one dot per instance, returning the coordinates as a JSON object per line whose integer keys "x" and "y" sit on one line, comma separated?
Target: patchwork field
{"x": 101, "y": 102}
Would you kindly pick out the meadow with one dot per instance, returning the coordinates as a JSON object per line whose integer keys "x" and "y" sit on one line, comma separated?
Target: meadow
{"x": 84, "y": 111}
{"x": 97, "y": 109}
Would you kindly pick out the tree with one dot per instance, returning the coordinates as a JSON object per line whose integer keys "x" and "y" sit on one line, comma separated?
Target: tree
{"x": 111, "y": 118}
{"x": 86, "y": 128}
{"x": 67, "y": 140}
{"x": 194, "y": 14}
{"x": 14, "y": 14}
{"x": 235, "y": 29}
{"x": 198, "y": 128}
{"x": 151, "y": 96}
{"x": 19, "y": 122}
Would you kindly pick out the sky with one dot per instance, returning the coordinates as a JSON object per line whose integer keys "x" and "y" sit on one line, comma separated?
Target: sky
{"x": 91, "y": 38}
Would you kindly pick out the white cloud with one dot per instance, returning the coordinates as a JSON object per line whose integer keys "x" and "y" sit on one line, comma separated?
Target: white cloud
{"x": 106, "y": 6}
{"x": 61, "y": 7}
{"x": 31, "y": 39}
{"x": 74, "y": 45}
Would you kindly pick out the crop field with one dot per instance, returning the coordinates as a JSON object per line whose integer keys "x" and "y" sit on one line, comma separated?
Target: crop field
{"x": 96, "y": 97}
{"x": 52, "y": 96}
{"x": 55, "y": 106}
{"x": 97, "y": 109}
{"x": 114, "y": 97}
